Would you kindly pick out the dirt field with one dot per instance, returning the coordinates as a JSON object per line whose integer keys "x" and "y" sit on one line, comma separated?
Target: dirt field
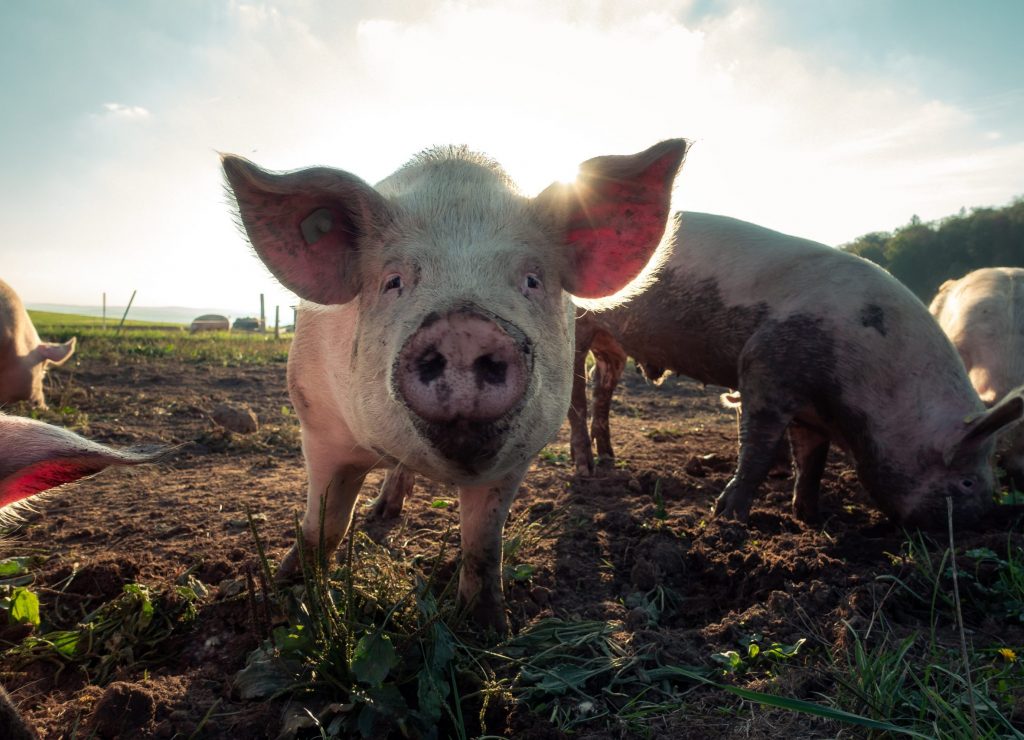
{"x": 642, "y": 527}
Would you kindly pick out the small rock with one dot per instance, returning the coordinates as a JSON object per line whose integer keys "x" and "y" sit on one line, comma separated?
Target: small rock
{"x": 695, "y": 467}
{"x": 238, "y": 419}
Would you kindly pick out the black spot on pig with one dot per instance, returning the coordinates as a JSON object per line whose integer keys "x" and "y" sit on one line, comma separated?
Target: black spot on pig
{"x": 873, "y": 317}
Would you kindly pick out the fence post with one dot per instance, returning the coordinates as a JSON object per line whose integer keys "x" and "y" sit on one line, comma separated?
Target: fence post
{"x": 126, "y": 309}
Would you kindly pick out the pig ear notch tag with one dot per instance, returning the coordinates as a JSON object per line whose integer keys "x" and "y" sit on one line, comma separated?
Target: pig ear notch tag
{"x": 316, "y": 225}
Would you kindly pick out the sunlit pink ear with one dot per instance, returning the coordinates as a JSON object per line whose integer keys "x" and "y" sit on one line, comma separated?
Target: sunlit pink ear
{"x": 614, "y": 216}
{"x": 37, "y": 456}
{"x": 306, "y": 226}
{"x": 58, "y": 354}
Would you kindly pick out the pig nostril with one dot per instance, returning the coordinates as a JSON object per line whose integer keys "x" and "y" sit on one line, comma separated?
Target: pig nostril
{"x": 430, "y": 366}
{"x": 490, "y": 371}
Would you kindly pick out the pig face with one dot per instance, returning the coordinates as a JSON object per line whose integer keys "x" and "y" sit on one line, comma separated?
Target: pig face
{"x": 459, "y": 290}
{"x": 962, "y": 472}
{"x": 28, "y": 381}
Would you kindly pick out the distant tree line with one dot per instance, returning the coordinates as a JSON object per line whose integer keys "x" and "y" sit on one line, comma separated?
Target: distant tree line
{"x": 924, "y": 255}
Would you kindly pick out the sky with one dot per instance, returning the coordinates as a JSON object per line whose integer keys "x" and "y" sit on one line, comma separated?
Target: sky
{"x": 827, "y": 119}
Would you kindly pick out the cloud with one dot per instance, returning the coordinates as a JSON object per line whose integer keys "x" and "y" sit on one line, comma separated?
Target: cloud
{"x": 120, "y": 111}
{"x": 784, "y": 136}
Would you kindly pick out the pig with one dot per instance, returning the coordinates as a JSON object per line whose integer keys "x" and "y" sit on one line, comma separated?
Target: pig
{"x": 983, "y": 313}
{"x": 821, "y": 344}
{"x": 24, "y": 359}
{"x": 436, "y": 328}
{"x": 35, "y": 457}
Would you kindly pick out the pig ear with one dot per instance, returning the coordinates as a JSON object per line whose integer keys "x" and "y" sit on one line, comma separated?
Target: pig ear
{"x": 983, "y": 426}
{"x": 39, "y": 456}
{"x": 58, "y": 354}
{"x": 614, "y": 216}
{"x": 306, "y": 225}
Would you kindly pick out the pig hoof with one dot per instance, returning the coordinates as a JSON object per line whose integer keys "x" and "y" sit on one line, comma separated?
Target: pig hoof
{"x": 584, "y": 461}
{"x": 487, "y": 615}
{"x": 492, "y": 622}
{"x": 806, "y": 514}
{"x": 383, "y": 509}
{"x": 290, "y": 569}
{"x": 726, "y": 508}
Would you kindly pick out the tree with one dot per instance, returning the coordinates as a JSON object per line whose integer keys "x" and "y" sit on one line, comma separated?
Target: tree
{"x": 924, "y": 255}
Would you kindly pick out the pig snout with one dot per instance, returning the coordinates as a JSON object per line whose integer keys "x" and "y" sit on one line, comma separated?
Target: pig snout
{"x": 463, "y": 375}
{"x": 934, "y": 515}
{"x": 463, "y": 366}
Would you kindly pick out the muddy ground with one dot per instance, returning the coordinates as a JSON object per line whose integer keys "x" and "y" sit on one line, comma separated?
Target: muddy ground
{"x": 612, "y": 538}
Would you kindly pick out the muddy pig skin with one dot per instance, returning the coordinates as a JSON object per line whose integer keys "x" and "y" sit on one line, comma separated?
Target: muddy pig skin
{"x": 822, "y": 345}
{"x": 35, "y": 457}
{"x": 24, "y": 359}
{"x": 983, "y": 313}
{"x": 437, "y": 323}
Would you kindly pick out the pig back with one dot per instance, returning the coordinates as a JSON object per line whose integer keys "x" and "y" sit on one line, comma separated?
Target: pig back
{"x": 983, "y": 314}
{"x": 724, "y": 279}
{"x": 845, "y": 326}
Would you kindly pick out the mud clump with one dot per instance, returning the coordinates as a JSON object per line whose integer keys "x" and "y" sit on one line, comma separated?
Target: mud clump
{"x": 125, "y": 710}
{"x": 235, "y": 418}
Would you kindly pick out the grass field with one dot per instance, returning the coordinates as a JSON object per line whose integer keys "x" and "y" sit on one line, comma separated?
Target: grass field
{"x": 637, "y": 616}
{"x": 47, "y": 321}
{"x": 149, "y": 339}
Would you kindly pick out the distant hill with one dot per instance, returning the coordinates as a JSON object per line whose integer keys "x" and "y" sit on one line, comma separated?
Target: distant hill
{"x": 924, "y": 255}
{"x": 154, "y": 314}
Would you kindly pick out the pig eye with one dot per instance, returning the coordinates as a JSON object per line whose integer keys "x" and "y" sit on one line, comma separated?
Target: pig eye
{"x": 967, "y": 483}
{"x": 530, "y": 282}
{"x": 392, "y": 282}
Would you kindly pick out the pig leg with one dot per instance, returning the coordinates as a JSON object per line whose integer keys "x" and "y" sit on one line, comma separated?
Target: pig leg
{"x": 610, "y": 361}
{"x": 12, "y": 726}
{"x": 810, "y": 451}
{"x": 337, "y": 479}
{"x": 579, "y": 438}
{"x": 760, "y": 438}
{"x": 767, "y": 410}
{"x": 394, "y": 489}
{"x": 482, "y": 513}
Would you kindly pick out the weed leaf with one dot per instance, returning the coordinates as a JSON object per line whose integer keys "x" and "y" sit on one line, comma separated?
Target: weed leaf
{"x": 373, "y": 659}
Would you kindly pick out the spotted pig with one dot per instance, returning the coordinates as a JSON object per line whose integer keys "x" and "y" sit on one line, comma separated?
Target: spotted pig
{"x": 823, "y": 346}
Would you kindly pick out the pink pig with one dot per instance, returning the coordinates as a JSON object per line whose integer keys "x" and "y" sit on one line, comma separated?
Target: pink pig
{"x": 24, "y": 359}
{"x": 437, "y": 324}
